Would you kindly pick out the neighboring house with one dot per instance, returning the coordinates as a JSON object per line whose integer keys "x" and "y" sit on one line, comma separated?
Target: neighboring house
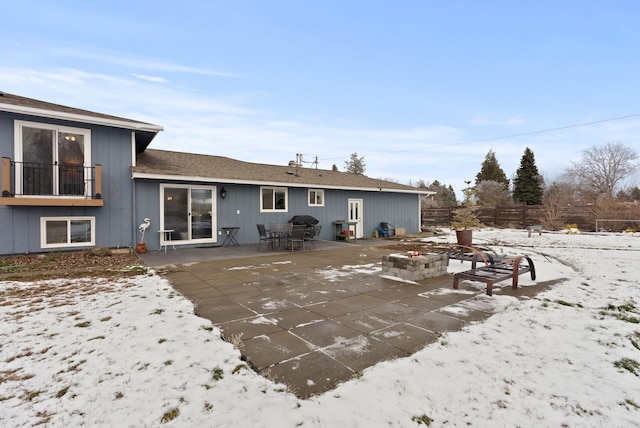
{"x": 73, "y": 178}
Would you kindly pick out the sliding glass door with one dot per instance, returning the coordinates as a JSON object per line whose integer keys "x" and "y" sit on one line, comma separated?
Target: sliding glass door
{"x": 188, "y": 212}
{"x": 201, "y": 210}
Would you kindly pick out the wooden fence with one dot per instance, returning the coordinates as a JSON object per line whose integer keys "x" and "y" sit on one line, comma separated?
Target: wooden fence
{"x": 514, "y": 216}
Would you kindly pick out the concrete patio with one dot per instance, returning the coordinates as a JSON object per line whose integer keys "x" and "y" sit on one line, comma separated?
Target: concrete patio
{"x": 316, "y": 318}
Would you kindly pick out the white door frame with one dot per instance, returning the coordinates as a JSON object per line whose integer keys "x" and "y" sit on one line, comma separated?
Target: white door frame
{"x": 355, "y": 209}
{"x": 188, "y": 239}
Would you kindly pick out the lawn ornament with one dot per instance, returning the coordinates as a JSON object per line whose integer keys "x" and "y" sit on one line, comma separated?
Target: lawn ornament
{"x": 143, "y": 228}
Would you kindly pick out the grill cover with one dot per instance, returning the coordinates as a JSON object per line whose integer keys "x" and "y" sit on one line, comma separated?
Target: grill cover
{"x": 304, "y": 220}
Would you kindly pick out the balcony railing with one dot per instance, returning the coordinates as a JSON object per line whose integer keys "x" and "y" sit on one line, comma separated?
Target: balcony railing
{"x": 28, "y": 183}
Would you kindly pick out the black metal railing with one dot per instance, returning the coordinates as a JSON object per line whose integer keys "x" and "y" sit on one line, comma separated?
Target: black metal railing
{"x": 57, "y": 179}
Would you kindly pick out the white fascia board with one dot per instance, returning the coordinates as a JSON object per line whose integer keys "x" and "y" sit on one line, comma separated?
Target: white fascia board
{"x": 423, "y": 192}
{"x": 134, "y": 158}
{"x": 166, "y": 177}
{"x": 138, "y": 126}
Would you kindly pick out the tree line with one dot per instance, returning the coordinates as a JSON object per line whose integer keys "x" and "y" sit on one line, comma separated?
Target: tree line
{"x": 602, "y": 173}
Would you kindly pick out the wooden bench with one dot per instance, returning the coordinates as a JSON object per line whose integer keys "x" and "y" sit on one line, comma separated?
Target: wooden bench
{"x": 537, "y": 227}
{"x": 495, "y": 272}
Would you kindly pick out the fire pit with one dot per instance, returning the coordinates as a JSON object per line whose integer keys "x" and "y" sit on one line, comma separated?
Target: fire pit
{"x": 415, "y": 266}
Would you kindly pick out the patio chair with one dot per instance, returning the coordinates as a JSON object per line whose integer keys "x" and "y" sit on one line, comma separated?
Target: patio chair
{"x": 297, "y": 236}
{"x": 385, "y": 229}
{"x": 265, "y": 237}
{"x": 312, "y": 235}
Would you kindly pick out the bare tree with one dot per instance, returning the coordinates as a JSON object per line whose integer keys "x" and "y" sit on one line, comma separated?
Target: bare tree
{"x": 491, "y": 193}
{"x": 603, "y": 169}
{"x": 555, "y": 200}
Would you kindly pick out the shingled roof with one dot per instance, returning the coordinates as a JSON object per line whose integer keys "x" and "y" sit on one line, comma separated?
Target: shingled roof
{"x": 145, "y": 132}
{"x": 163, "y": 164}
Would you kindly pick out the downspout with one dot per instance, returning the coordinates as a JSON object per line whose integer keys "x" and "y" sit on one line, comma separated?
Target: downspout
{"x": 134, "y": 213}
{"x": 132, "y": 246}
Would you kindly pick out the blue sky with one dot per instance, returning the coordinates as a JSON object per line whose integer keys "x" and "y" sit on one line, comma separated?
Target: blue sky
{"x": 421, "y": 89}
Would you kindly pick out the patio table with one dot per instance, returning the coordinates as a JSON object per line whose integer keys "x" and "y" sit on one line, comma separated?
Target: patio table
{"x": 280, "y": 231}
{"x": 230, "y": 238}
{"x": 167, "y": 238}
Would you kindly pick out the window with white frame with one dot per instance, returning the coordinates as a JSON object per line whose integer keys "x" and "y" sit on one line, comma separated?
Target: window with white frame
{"x": 51, "y": 160}
{"x": 57, "y": 232}
{"x": 316, "y": 198}
{"x": 273, "y": 199}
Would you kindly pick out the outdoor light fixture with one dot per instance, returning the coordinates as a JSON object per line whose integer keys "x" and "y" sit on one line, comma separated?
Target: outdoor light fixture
{"x": 223, "y": 193}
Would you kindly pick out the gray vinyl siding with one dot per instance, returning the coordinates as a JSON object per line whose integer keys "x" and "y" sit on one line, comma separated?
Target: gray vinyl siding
{"x": 241, "y": 208}
{"x": 147, "y": 204}
{"x": 396, "y": 208}
{"x": 20, "y": 227}
{"x": 110, "y": 147}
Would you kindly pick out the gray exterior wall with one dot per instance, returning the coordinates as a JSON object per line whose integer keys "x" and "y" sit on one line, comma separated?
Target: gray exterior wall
{"x": 110, "y": 147}
{"x": 126, "y": 203}
{"x": 241, "y": 208}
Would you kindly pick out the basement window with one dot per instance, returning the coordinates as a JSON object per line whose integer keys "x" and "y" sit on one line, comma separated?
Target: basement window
{"x": 60, "y": 232}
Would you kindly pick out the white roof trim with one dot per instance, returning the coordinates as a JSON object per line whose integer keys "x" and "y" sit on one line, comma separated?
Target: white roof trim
{"x": 138, "y": 126}
{"x": 168, "y": 177}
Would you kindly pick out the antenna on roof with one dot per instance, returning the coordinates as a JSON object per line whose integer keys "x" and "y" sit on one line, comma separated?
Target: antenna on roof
{"x": 300, "y": 160}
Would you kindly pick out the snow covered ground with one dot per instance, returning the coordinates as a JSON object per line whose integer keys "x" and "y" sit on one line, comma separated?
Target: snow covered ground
{"x": 131, "y": 353}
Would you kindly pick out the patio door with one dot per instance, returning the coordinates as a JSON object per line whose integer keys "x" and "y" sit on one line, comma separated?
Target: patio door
{"x": 189, "y": 212}
{"x": 355, "y": 214}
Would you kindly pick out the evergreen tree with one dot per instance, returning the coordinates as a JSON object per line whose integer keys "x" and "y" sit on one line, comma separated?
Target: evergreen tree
{"x": 629, "y": 195}
{"x": 528, "y": 186}
{"x": 449, "y": 197}
{"x": 355, "y": 165}
{"x": 491, "y": 171}
{"x": 466, "y": 218}
{"x": 444, "y": 197}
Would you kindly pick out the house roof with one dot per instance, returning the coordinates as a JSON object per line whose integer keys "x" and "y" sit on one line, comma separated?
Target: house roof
{"x": 145, "y": 132}
{"x": 168, "y": 165}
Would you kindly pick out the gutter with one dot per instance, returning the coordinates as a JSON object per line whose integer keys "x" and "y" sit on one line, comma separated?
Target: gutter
{"x": 190, "y": 178}
{"x": 94, "y": 120}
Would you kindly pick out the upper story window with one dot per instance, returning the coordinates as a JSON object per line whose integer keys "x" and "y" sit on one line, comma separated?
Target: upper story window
{"x": 273, "y": 199}
{"x": 51, "y": 159}
{"x": 316, "y": 198}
